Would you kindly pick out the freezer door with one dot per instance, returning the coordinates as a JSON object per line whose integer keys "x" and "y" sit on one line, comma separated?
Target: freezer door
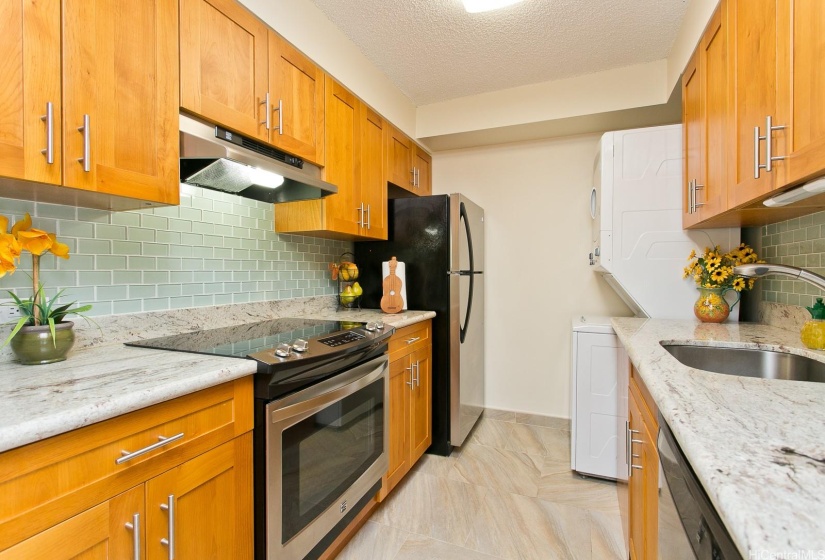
{"x": 466, "y": 317}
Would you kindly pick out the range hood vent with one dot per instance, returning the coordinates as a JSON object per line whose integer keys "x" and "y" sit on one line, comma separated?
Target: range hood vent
{"x": 218, "y": 159}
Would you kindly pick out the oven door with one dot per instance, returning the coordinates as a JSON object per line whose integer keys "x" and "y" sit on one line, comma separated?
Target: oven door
{"x": 326, "y": 447}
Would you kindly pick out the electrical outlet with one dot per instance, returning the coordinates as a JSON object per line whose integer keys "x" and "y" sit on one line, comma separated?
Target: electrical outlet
{"x": 8, "y": 313}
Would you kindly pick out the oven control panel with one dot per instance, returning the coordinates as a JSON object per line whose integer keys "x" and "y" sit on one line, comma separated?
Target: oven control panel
{"x": 341, "y": 338}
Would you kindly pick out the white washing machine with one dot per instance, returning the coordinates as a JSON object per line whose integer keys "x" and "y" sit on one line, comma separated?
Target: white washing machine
{"x": 599, "y": 389}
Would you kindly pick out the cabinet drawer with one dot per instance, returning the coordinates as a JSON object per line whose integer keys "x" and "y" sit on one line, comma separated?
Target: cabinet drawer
{"x": 409, "y": 339}
{"x": 48, "y": 481}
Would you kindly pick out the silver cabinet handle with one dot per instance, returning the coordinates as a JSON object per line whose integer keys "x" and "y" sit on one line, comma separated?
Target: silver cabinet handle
{"x": 632, "y": 441}
{"x": 410, "y": 382}
{"x": 170, "y": 542}
{"x": 411, "y": 340}
{"x": 360, "y": 210}
{"x": 265, "y": 103}
{"x": 369, "y": 217}
{"x": 697, "y": 187}
{"x": 127, "y": 455}
{"x": 769, "y": 157}
{"x": 48, "y": 118}
{"x": 417, "y": 374}
{"x": 412, "y": 172}
{"x": 134, "y": 526}
{"x": 280, "y": 109}
{"x": 87, "y": 146}
{"x": 636, "y": 467}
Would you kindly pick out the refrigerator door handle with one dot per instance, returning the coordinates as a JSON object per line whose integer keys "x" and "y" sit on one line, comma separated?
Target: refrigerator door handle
{"x": 463, "y": 329}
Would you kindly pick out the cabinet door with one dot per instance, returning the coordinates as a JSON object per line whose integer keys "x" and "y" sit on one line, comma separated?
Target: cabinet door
{"x": 636, "y": 484}
{"x": 97, "y": 533}
{"x": 223, "y": 61}
{"x": 297, "y": 102}
{"x": 423, "y": 163}
{"x": 400, "y": 378}
{"x": 692, "y": 136}
{"x": 119, "y": 75}
{"x": 399, "y": 159}
{"x": 420, "y": 404}
{"x": 802, "y": 86}
{"x": 752, "y": 66}
{"x": 714, "y": 68}
{"x": 29, "y": 80}
{"x": 649, "y": 458}
{"x": 373, "y": 175}
{"x": 205, "y": 505}
{"x": 343, "y": 142}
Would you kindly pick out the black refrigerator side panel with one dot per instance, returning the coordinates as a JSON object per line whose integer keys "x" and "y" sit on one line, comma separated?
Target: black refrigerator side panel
{"x": 419, "y": 236}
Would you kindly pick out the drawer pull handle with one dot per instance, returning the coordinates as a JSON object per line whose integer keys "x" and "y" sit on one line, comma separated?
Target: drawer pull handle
{"x": 636, "y": 467}
{"x": 413, "y": 339}
{"x": 636, "y": 441}
{"x": 170, "y": 542}
{"x": 163, "y": 441}
{"x": 134, "y": 526}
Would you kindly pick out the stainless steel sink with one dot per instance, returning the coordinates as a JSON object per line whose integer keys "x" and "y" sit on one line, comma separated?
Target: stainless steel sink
{"x": 746, "y": 362}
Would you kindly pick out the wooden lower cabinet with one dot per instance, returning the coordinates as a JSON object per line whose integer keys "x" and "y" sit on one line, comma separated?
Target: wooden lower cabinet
{"x": 644, "y": 472}
{"x": 60, "y": 503}
{"x": 410, "y": 406}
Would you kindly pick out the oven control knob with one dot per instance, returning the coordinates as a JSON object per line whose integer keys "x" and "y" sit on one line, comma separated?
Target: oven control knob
{"x": 300, "y": 345}
{"x": 283, "y": 350}
{"x": 379, "y": 325}
{"x": 375, "y": 326}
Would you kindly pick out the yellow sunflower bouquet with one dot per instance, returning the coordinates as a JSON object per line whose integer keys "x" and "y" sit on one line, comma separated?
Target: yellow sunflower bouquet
{"x": 714, "y": 269}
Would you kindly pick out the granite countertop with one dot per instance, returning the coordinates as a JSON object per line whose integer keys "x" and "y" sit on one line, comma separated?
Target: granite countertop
{"x": 103, "y": 380}
{"x": 757, "y": 445}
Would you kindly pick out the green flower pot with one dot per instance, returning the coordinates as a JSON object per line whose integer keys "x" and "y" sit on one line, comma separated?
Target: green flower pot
{"x": 34, "y": 345}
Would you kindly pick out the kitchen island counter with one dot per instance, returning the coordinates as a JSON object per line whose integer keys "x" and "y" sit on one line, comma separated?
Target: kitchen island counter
{"x": 100, "y": 381}
{"x": 757, "y": 445}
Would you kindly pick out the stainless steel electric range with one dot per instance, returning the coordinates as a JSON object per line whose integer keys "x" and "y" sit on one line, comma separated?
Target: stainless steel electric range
{"x": 320, "y": 434}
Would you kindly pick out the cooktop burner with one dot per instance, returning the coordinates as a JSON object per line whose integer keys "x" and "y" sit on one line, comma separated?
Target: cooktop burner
{"x": 291, "y": 351}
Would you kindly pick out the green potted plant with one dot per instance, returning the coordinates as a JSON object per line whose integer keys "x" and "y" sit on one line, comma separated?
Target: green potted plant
{"x": 41, "y": 335}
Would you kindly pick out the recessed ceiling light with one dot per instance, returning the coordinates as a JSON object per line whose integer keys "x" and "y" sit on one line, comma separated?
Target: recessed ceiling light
{"x": 475, "y": 6}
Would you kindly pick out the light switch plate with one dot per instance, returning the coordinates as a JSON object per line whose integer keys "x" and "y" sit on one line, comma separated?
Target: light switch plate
{"x": 8, "y": 313}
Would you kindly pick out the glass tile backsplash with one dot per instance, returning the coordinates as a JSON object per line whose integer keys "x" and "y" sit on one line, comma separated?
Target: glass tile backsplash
{"x": 797, "y": 242}
{"x": 213, "y": 249}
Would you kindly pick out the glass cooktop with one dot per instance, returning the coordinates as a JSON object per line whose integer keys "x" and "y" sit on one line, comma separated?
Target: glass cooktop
{"x": 241, "y": 341}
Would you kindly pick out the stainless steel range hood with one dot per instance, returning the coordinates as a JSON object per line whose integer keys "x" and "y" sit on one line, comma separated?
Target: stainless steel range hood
{"x": 215, "y": 158}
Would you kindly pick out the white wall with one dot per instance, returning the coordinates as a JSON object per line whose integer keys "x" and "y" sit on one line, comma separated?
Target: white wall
{"x": 536, "y": 201}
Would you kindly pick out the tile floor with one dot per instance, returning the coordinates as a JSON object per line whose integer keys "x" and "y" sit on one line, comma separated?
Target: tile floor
{"x": 508, "y": 494}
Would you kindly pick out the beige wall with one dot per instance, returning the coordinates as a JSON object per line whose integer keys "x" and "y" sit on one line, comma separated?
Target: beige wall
{"x": 535, "y": 196}
{"x": 306, "y": 27}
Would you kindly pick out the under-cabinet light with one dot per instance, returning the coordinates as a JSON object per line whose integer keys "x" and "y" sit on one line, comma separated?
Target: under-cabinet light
{"x": 475, "y": 6}
{"x": 809, "y": 189}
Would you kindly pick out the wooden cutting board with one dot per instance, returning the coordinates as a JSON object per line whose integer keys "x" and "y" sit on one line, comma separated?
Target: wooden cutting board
{"x": 392, "y": 302}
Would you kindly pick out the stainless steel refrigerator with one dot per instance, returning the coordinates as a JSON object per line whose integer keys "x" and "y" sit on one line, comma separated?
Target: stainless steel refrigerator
{"x": 441, "y": 240}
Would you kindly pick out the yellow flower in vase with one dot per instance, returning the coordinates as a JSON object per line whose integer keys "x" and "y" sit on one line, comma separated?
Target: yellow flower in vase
{"x": 738, "y": 284}
{"x": 718, "y": 275}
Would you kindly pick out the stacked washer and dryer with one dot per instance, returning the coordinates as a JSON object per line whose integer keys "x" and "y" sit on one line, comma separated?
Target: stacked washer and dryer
{"x": 640, "y": 249}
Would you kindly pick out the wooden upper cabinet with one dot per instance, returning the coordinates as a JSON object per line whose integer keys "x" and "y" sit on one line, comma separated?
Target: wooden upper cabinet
{"x": 29, "y": 82}
{"x": 693, "y": 139}
{"x": 752, "y": 65}
{"x": 343, "y": 141}
{"x": 296, "y": 86}
{"x": 372, "y": 173}
{"x": 120, "y": 98}
{"x": 704, "y": 118}
{"x": 801, "y": 25}
{"x": 224, "y": 65}
{"x": 422, "y": 168}
{"x": 399, "y": 159}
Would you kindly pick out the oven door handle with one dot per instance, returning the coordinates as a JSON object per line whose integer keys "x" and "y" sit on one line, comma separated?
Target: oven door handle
{"x": 329, "y": 391}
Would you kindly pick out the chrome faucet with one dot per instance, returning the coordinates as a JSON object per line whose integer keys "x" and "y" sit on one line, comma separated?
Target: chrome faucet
{"x": 758, "y": 270}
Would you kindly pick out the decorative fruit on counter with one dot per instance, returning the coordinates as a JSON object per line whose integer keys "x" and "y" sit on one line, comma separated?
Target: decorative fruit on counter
{"x": 356, "y": 289}
{"x": 348, "y": 271}
{"x": 347, "y": 325}
{"x": 347, "y": 295}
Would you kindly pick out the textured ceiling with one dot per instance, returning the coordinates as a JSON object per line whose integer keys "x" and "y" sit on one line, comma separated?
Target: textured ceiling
{"x": 433, "y": 50}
